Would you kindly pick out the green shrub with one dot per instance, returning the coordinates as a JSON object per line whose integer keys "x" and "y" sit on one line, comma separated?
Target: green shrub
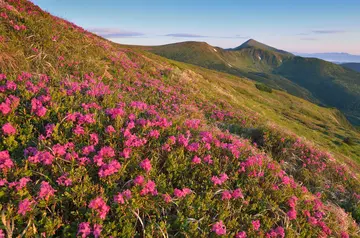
{"x": 263, "y": 87}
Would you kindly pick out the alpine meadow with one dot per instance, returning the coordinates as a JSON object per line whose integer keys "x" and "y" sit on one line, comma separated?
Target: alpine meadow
{"x": 106, "y": 139}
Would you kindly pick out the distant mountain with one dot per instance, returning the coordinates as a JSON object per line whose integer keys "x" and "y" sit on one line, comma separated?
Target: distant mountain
{"x": 333, "y": 57}
{"x": 313, "y": 79}
{"x": 353, "y": 66}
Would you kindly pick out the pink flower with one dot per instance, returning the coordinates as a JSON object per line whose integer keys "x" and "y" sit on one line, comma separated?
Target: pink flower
{"x": 86, "y": 150}
{"x": 127, "y": 194}
{"x": 146, "y": 165}
{"x": 126, "y": 153}
{"x": 149, "y": 187}
{"x": 219, "y": 180}
{"x": 109, "y": 169}
{"x": 226, "y": 195}
{"x": 79, "y": 130}
{"x": 292, "y": 214}
{"x": 64, "y": 180}
{"x": 167, "y": 198}
{"x": 2, "y": 235}
{"x": 194, "y": 124}
{"x": 256, "y": 224}
{"x": 139, "y": 180}
{"x": 46, "y": 191}
{"x": 344, "y": 235}
{"x": 10, "y": 85}
{"x": 22, "y": 183}
{"x": 219, "y": 228}
{"x": 59, "y": 150}
{"x": 110, "y": 129}
{"x": 94, "y": 139}
{"x": 99, "y": 206}
{"x": 5, "y": 161}
{"x": 237, "y": 193}
{"x": 25, "y": 206}
{"x": 208, "y": 160}
{"x": 84, "y": 229}
{"x": 241, "y": 234}
{"x": 8, "y": 129}
{"x": 196, "y": 160}
{"x": 292, "y": 201}
{"x": 97, "y": 230}
{"x": 280, "y": 231}
{"x": 154, "y": 133}
{"x": 179, "y": 193}
{"x": 37, "y": 107}
{"x": 119, "y": 198}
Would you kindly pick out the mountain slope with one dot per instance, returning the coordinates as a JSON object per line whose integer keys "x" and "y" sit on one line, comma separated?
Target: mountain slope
{"x": 301, "y": 77}
{"x": 353, "y": 66}
{"x": 103, "y": 140}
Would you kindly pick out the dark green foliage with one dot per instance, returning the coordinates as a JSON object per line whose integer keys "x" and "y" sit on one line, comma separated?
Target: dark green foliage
{"x": 263, "y": 87}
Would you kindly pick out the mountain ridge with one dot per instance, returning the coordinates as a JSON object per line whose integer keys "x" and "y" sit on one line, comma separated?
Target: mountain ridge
{"x": 266, "y": 64}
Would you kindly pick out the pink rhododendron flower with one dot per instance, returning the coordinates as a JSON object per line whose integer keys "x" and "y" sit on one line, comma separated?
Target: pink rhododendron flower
{"x": 110, "y": 129}
{"x": 179, "y": 193}
{"x": 237, "y": 193}
{"x": 344, "y": 235}
{"x": 94, "y": 139}
{"x": 149, "y": 188}
{"x": 139, "y": 180}
{"x": 241, "y": 234}
{"x": 207, "y": 159}
{"x": 84, "y": 229}
{"x": 126, "y": 153}
{"x": 109, "y": 169}
{"x": 25, "y": 206}
{"x": 219, "y": 228}
{"x": 22, "y": 183}
{"x": 256, "y": 224}
{"x": 292, "y": 214}
{"x": 10, "y": 85}
{"x": 167, "y": 198}
{"x": 37, "y": 107}
{"x": 219, "y": 180}
{"x": 46, "y": 191}
{"x": 119, "y": 198}
{"x": 100, "y": 207}
{"x": 292, "y": 201}
{"x": 64, "y": 180}
{"x": 5, "y": 161}
{"x": 226, "y": 195}
{"x": 146, "y": 165}
{"x": 196, "y": 160}
{"x": 154, "y": 134}
{"x": 8, "y": 129}
{"x": 79, "y": 130}
{"x": 97, "y": 230}
{"x": 86, "y": 150}
{"x": 59, "y": 150}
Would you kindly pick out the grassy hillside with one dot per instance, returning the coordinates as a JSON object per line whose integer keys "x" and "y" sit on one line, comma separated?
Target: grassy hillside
{"x": 353, "y": 66}
{"x": 309, "y": 78}
{"x": 100, "y": 140}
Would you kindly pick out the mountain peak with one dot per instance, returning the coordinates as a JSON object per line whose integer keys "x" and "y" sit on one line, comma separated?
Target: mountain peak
{"x": 251, "y": 43}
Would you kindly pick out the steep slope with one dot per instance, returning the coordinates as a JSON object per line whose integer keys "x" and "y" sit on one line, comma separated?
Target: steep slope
{"x": 102, "y": 140}
{"x": 302, "y": 77}
{"x": 353, "y": 66}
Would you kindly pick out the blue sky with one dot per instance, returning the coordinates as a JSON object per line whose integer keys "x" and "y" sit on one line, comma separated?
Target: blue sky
{"x": 297, "y": 26}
